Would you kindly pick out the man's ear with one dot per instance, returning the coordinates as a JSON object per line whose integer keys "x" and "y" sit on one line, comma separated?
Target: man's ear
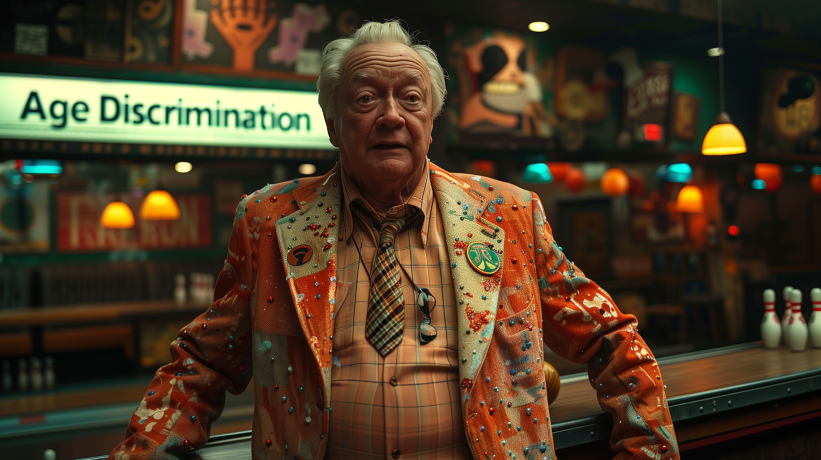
{"x": 329, "y": 124}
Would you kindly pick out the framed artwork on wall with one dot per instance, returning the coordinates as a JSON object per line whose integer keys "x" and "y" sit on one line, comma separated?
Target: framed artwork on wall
{"x": 685, "y": 116}
{"x": 284, "y": 36}
{"x": 584, "y": 232}
{"x": 789, "y": 118}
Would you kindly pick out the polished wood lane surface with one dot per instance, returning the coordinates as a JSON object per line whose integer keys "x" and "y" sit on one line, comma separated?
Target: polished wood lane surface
{"x": 699, "y": 373}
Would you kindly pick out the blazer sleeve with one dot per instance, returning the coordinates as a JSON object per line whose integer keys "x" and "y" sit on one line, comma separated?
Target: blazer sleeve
{"x": 582, "y": 324}
{"x": 211, "y": 355}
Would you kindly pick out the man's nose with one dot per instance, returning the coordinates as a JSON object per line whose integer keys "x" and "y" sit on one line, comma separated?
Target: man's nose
{"x": 391, "y": 115}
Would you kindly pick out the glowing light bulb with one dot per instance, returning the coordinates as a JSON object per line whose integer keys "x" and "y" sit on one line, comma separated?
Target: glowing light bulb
{"x": 538, "y": 26}
{"x": 307, "y": 169}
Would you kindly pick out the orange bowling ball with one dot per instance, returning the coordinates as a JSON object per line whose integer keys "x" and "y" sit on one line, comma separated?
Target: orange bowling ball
{"x": 552, "y": 381}
{"x": 815, "y": 183}
{"x": 771, "y": 175}
{"x": 615, "y": 182}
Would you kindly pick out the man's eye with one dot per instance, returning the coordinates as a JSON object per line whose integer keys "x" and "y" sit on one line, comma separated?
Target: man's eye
{"x": 365, "y": 99}
{"x": 413, "y": 98}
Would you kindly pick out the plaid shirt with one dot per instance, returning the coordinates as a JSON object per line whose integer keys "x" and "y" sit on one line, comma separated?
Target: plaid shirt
{"x": 409, "y": 400}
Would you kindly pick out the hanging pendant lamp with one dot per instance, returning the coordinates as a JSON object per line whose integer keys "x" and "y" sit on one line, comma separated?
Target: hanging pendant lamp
{"x": 117, "y": 215}
{"x": 723, "y": 138}
{"x": 159, "y": 205}
{"x": 690, "y": 199}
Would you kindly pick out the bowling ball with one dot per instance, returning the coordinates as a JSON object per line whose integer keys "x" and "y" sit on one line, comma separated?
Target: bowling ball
{"x": 615, "y": 182}
{"x": 553, "y": 383}
{"x": 574, "y": 180}
{"x": 815, "y": 183}
{"x": 558, "y": 170}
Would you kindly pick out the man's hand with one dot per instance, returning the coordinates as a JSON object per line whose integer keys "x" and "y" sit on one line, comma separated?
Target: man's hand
{"x": 244, "y": 26}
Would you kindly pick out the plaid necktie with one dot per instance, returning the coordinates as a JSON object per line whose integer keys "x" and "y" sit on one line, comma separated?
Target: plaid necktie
{"x": 385, "y": 323}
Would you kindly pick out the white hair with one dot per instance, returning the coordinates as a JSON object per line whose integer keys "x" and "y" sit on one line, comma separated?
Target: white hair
{"x": 375, "y": 32}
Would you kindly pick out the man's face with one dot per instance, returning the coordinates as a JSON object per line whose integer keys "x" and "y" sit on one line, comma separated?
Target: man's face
{"x": 384, "y": 113}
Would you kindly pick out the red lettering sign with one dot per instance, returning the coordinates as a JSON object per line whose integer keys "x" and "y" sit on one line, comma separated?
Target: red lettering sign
{"x": 79, "y": 229}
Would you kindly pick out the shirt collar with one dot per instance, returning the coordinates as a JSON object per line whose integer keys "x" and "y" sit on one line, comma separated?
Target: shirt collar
{"x": 421, "y": 198}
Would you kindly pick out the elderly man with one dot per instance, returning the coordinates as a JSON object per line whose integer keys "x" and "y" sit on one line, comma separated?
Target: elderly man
{"x": 393, "y": 309}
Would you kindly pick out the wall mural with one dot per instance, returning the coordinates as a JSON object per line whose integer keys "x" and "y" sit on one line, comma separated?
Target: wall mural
{"x": 262, "y": 35}
{"x": 790, "y": 111}
{"x": 499, "y": 87}
{"x": 506, "y": 88}
{"x": 92, "y": 29}
{"x": 148, "y": 31}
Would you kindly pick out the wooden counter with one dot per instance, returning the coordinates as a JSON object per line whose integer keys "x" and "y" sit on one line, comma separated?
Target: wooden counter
{"x": 94, "y": 313}
{"x": 81, "y": 327}
{"x": 713, "y": 396}
{"x": 709, "y": 393}
{"x": 693, "y": 373}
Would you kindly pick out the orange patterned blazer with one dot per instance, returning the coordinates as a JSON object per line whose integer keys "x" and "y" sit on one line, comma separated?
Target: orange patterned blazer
{"x": 273, "y": 319}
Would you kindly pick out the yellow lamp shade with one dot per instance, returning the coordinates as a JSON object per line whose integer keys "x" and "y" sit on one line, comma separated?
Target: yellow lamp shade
{"x": 159, "y": 205}
{"x": 723, "y": 139}
{"x": 615, "y": 182}
{"x": 117, "y": 215}
{"x": 690, "y": 199}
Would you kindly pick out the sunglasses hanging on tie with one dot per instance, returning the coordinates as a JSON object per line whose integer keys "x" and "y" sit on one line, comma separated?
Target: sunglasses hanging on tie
{"x": 426, "y": 303}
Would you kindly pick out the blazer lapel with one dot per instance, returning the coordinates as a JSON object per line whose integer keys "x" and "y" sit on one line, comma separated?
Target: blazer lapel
{"x": 461, "y": 206}
{"x": 307, "y": 241}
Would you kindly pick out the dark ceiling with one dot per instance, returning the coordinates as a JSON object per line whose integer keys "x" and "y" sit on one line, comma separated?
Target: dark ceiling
{"x": 592, "y": 22}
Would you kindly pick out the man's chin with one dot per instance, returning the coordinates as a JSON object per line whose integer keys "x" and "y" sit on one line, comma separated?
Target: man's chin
{"x": 390, "y": 167}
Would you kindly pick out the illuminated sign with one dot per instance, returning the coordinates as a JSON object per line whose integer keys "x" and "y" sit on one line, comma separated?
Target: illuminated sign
{"x": 652, "y": 132}
{"x": 97, "y": 110}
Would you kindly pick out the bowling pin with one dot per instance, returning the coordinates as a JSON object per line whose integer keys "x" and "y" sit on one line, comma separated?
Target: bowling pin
{"x": 785, "y": 318}
{"x": 770, "y": 329}
{"x": 22, "y": 375}
{"x": 194, "y": 287}
{"x": 180, "y": 294}
{"x": 815, "y": 319}
{"x": 36, "y": 375}
{"x": 797, "y": 329}
{"x": 48, "y": 374}
{"x": 209, "y": 288}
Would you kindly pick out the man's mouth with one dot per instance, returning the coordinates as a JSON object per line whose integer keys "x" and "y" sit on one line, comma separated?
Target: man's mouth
{"x": 387, "y": 146}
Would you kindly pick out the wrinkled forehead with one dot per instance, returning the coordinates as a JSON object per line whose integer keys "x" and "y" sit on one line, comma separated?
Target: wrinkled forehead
{"x": 394, "y": 61}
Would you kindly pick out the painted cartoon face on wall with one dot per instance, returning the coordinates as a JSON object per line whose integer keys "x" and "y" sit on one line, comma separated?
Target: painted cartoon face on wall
{"x": 501, "y": 95}
{"x": 497, "y": 65}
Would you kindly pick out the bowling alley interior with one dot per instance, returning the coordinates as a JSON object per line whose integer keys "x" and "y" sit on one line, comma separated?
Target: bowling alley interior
{"x": 675, "y": 146}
